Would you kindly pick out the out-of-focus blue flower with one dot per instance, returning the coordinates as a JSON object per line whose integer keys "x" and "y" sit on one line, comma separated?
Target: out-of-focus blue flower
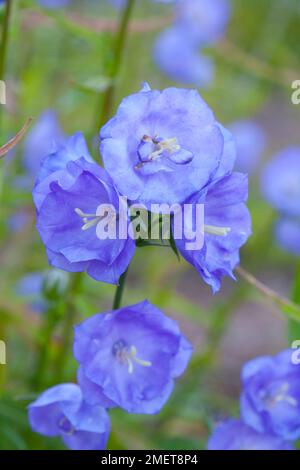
{"x": 270, "y": 402}
{"x": 31, "y": 288}
{"x": 227, "y": 227}
{"x": 203, "y": 20}
{"x": 61, "y": 411}
{"x": 178, "y": 58}
{"x": 235, "y": 435}
{"x": 41, "y": 140}
{"x": 54, "y": 3}
{"x": 130, "y": 357}
{"x": 287, "y": 231}
{"x": 162, "y": 146}
{"x": 280, "y": 181}
{"x": 251, "y": 142}
{"x": 67, "y": 202}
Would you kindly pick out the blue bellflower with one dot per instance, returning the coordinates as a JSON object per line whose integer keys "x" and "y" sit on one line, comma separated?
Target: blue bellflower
{"x": 61, "y": 411}
{"x": 270, "y": 402}
{"x": 227, "y": 226}
{"x": 251, "y": 142}
{"x": 280, "y": 185}
{"x": 235, "y": 435}
{"x": 41, "y": 140}
{"x": 203, "y": 20}
{"x": 177, "y": 56}
{"x": 130, "y": 357}
{"x": 162, "y": 146}
{"x": 67, "y": 201}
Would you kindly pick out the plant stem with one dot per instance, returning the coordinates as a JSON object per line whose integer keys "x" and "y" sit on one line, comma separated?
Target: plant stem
{"x": 291, "y": 309}
{"x": 118, "y": 50}
{"x": 294, "y": 327}
{"x": 4, "y": 38}
{"x": 70, "y": 313}
{"x": 119, "y": 291}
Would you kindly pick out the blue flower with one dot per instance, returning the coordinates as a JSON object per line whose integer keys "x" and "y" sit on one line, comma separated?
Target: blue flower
{"x": 270, "y": 402}
{"x": 287, "y": 231}
{"x": 227, "y": 227}
{"x": 67, "y": 201}
{"x": 235, "y": 435}
{"x": 203, "y": 20}
{"x": 61, "y": 411}
{"x": 251, "y": 142}
{"x": 161, "y": 147}
{"x": 177, "y": 57}
{"x": 280, "y": 183}
{"x": 41, "y": 140}
{"x": 54, "y": 3}
{"x": 130, "y": 358}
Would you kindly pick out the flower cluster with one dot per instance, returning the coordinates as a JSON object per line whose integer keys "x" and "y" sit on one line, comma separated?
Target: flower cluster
{"x": 129, "y": 358}
{"x": 280, "y": 185}
{"x": 161, "y": 148}
{"x": 197, "y": 23}
{"x": 270, "y": 407}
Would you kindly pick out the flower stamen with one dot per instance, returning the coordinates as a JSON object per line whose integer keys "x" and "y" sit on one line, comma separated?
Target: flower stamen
{"x": 220, "y": 231}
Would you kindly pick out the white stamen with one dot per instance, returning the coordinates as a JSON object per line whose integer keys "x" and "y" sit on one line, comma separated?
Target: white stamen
{"x": 282, "y": 396}
{"x": 220, "y": 231}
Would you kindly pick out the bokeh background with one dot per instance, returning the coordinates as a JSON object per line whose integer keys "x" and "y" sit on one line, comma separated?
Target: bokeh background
{"x": 57, "y": 59}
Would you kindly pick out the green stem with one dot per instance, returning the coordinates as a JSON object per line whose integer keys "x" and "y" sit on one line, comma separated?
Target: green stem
{"x": 290, "y": 309}
{"x": 119, "y": 291}
{"x": 294, "y": 327}
{"x": 44, "y": 353}
{"x": 4, "y": 38}
{"x": 118, "y": 50}
{"x": 70, "y": 314}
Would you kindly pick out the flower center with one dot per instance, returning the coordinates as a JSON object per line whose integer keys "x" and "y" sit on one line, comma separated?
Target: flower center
{"x": 214, "y": 230}
{"x": 150, "y": 149}
{"x": 279, "y": 396}
{"x": 127, "y": 355}
{"x": 66, "y": 426}
{"x": 90, "y": 220}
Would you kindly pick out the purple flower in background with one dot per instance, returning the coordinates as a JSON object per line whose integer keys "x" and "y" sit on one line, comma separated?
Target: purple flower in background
{"x": 41, "y": 141}
{"x": 203, "y": 20}
{"x": 61, "y": 411}
{"x": 192, "y": 68}
{"x": 161, "y": 146}
{"x": 235, "y": 435}
{"x": 280, "y": 181}
{"x": 53, "y": 165}
{"x": 227, "y": 226}
{"x": 251, "y": 142}
{"x": 69, "y": 205}
{"x": 270, "y": 402}
{"x": 287, "y": 231}
{"x": 130, "y": 357}
{"x": 54, "y": 3}
{"x": 280, "y": 185}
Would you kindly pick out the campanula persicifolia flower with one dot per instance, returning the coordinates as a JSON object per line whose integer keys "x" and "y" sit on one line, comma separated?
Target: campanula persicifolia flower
{"x": 130, "y": 357}
{"x": 227, "y": 226}
{"x": 71, "y": 206}
{"x": 203, "y": 20}
{"x": 178, "y": 57}
{"x": 270, "y": 401}
{"x": 251, "y": 142}
{"x": 42, "y": 140}
{"x": 162, "y": 146}
{"x": 233, "y": 434}
{"x": 61, "y": 411}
